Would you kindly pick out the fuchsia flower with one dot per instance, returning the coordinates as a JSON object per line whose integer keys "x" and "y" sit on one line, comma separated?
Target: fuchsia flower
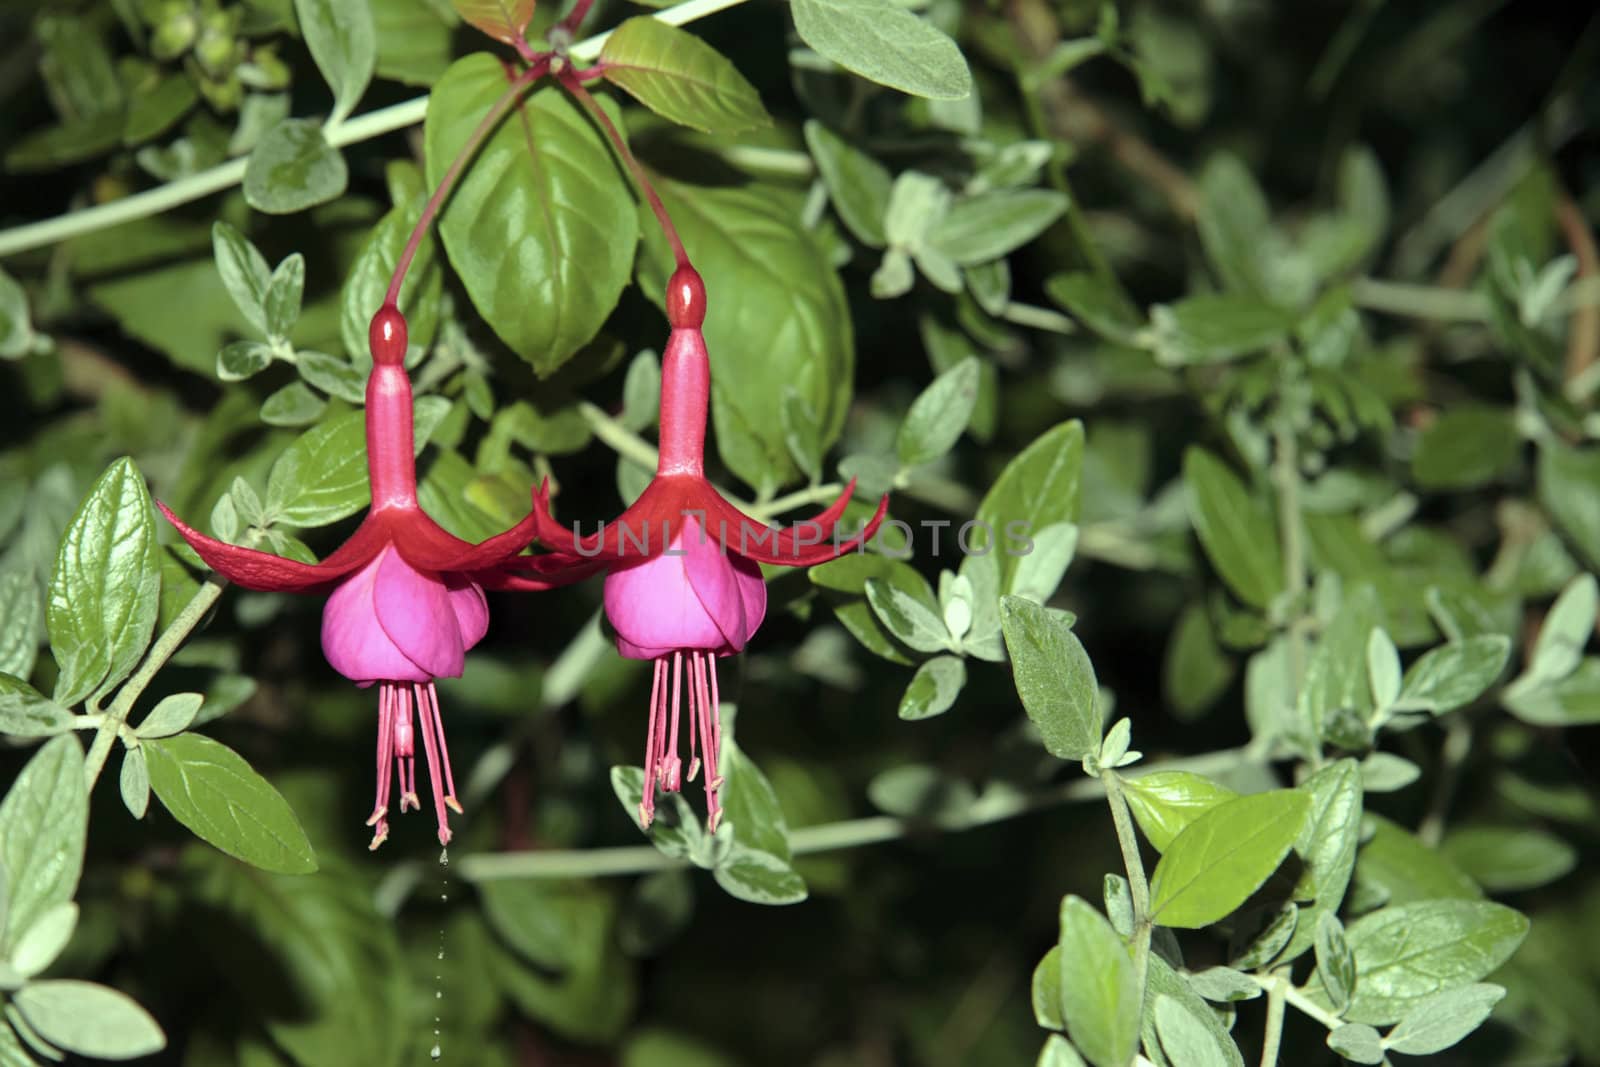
{"x": 682, "y": 585}
{"x": 407, "y": 597}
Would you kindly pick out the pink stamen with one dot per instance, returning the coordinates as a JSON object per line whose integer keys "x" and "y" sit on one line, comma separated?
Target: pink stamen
{"x": 378, "y": 820}
{"x": 437, "y": 721}
{"x": 430, "y": 728}
{"x": 706, "y": 715}
{"x": 671, "y": 767}
{"x": 405, "y": 750}
{"x": 652, "y": 744}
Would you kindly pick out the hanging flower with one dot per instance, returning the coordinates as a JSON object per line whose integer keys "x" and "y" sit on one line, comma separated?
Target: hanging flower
{"x": 682, "y": 583}
{"x": 406, "y": 597}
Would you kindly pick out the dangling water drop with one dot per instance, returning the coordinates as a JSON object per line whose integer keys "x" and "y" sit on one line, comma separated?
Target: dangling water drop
{"x": 437, "y": 1051}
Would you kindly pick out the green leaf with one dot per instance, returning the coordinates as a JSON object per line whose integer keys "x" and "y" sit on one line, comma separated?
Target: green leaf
{"x": 16, "y": 331}
{"x": 134, "y": 782}
{"x": 933, "y": 688}
{"x": 368, "y": 282}
{"x": 885, "y": 44}
{"x": 680, "y": 77}
{"x": 1166, "y": 802}
{"x": 1327, "y": 843}
{"x": 1566, "y": 631}
{"x": 1054, "y": 678}
{"x": 42, "y": 942}
{"x": 1566, "y": 477}
{"x": 1393, "y": 865}
{"x": 293, "y": 405}
{"x": 1099, "y": 989}
{"x": 1222, "y": 857}
{"x": 336, "y": 377}
{"x": 910, "y": 621}
{"x": 106, "y": 588}
{"x": 1465, "y": 447}
{"x": 344, "y": 44}
{"x": 155, "y": 105}
{"x": 641, "y": 392}
{"x": 210, "y": 789}
{"x": 938, "y": 415}
{"x": 1215, "y": 328}
{"x": 25, "y": 712}
{"x": 1164, "y": 982}
{"x": 1507, "y": 860}
{"x": 1057, "y": 1053}
{"x": 1383, "y": 668}
{"x": 321, "y": 477}
{"x": 239, "y": 360}
{"x": 244, "y": 273}
{"x": 1039, "y": 488}
{"x": 44, "y": 819}
{"x": 1441, "y": 1020}
{"x": 770, "y": 278}
{"x": 857, "y": 184}
{"x": 1454, "y": 675}
{"x": 173, "y": 715}
{"x": 1357, "y": 1042}
{"x": 537, "y": 917}
{"x": 415, "y": 40}
{"x": 1407, "y": 952}
{"x": 542, "y": 227}
{"x": 504, "y": 20}
{"x": 292, "y": 168}
{"x": 284, "y": 294}
{"x": 750, "y": 805}
{"x": 1336, "y": 676}
{"x": 1336, "y": 964}
{"x": 89, "y": 1019}
{"x": 1196, "y": 670}
{"x": 990, "y": 225}
{"x": 1096, "y": 304}
{"x": 1184, "y": 1036}
{"x": 21, "y": 609}
{"x": 1234, "y": 528}
{"x": 758, "y": 877}
{"x": 1046, "y": 991}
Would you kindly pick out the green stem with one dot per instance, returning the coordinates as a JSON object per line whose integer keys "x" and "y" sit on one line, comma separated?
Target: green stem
{"x": 1038, "y": 318}
{"x": 617, "y": 437}
{"x": 362, "y": 128}
{"x": 1419, "y": 301}
{"x": 1133, "y": 863}
{"x": 1286, "y": 473}
{"x": 827, "y": 837}
{"x": 167, "y": 644}
{"x": 1277, "y": 991}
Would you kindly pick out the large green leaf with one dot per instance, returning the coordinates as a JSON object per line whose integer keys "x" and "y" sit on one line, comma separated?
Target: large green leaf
{"x": 886, "y": 44}
{"x": 89, "y": 1019}
{"x": 542, "y": 227}
{"x": 1214, "y": 865}
{"x": 1234, "y": 528}
{"x": 504, "y": 20}
{"x": 1327, "y": 844}
{"x": 25, "y": 712}
{"x": 1054, "y": 678}
{"x": 105, "y": 593}
{"x": 1166, "y": 802}
{"x": 769, "y": 288}
{"x": 322, "y": 476}
{"x": 44, "y": 819}
{"x": 344, "y": 44}
{"x": 211, "y": 789}
{"x": 1099, "y": 989}
{"x": 1408, "y": 952}
{"x": 1038, "y": 489}
{"x": 680, "y": 77}
{"x": 293, "y": 167}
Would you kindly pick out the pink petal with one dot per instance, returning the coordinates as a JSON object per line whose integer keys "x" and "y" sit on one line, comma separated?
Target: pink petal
{"x": 652, "y": 605}
{"x": 471, "y": 608}
{"x": 356, "y": 644}
{"x": 715, "y": 578}
{"x": 415, "y": 611}
{"x": 753, "y": 590}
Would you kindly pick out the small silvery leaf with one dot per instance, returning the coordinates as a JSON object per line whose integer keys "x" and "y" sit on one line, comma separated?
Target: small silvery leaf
{"x": 1224, "y": 985}
{"x": 1119, "y": 904}
{"x": 239, "y": 360}
{"x": 1383, "y": 669}
{"x": 245, "y": 502}
{"x": 1336, "y": 964}
{"x": 244, "y": 273}
{"x": 955, "y": 597}
{"x": 894, "y": 276}
{"x": 938, "y": 268}
{"x": 917, "y": 203}
{"x": 907, "y": 618}
{"x": 1039, "y": 571}
{"x": 1357, "y": 1042}
{"x": 172, "y": 716}
{"x": 1115, "y": 745}
{"x": 1566, "y": 631}
{"x": 225, "y": 519}
{"x": 1384, "y": 772}
{"x": 42, "y": 942}
{"x": 135, "y": 782}
{"x": 284, "y": 294}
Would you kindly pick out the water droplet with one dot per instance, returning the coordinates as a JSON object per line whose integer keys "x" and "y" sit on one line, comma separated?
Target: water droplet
{"x": 438, "y": 994}
{"x": 444, "y": 857}
{"x": 436, "y": 1052}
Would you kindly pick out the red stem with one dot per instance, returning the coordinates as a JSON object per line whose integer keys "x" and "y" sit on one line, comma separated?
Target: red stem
{"x": 447, "y": 183}
{"x": 575, "y": 16}
{"x": 569, "y": 78}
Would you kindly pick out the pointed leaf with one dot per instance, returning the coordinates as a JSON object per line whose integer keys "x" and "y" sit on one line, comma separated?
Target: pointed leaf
{"x": 1224, "y": 856}
{"x": 680, "y": 77}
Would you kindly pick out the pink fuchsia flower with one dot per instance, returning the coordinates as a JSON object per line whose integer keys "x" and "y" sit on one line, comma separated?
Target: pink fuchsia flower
{"x": 682, "y": 585}
{"x": 406, "y": 597}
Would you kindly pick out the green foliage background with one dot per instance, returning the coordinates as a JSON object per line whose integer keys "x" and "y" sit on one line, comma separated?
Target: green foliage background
{"x": 1275, "y": 327}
